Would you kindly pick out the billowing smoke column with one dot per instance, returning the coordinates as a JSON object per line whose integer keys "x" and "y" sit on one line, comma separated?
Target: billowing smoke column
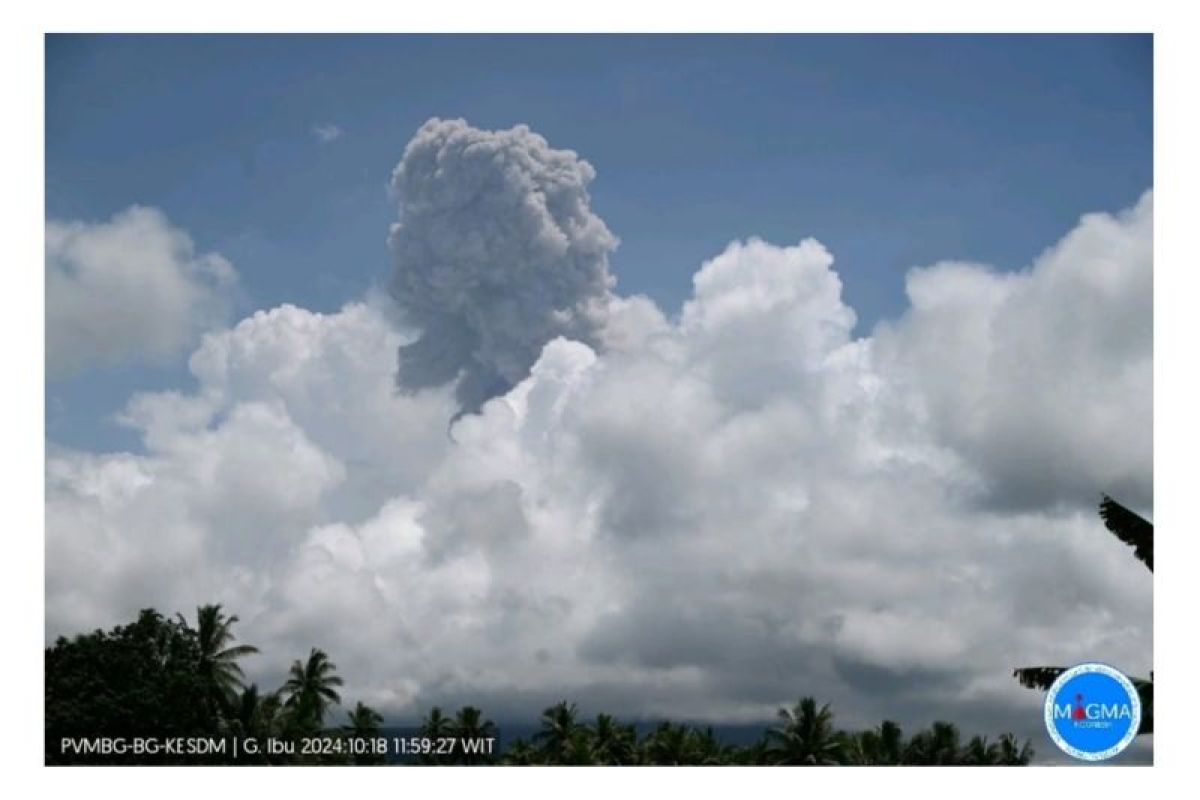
{"x": 497, "y": 252}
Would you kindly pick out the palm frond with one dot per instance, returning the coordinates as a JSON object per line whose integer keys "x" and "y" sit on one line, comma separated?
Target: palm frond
{"x": 236, "y": 652}
{"x": 1130, "y": 529}
{"x": 1038, "y": 677}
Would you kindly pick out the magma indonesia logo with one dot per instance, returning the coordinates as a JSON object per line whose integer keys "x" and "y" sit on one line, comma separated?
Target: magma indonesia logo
{"x": 1092, "y": 712}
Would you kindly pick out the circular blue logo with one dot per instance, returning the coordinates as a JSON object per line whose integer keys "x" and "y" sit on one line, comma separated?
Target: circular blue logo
{"x": 1092, "y": 712}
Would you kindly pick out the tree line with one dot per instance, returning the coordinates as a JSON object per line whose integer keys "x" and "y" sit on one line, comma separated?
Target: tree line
{"x": 805, "y": 736}
{"x": 169, "y": 679}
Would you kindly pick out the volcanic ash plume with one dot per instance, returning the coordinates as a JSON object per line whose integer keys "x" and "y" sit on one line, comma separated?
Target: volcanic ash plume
{"x": 497, "y": 253}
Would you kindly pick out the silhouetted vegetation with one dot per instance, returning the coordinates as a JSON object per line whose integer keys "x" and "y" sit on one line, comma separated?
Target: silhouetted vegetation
{"x": 161, "y": 683}
{"x": 805, "y": 736}
{"x": 1138, "y": 533}
{"x": 138, "y": 678}
{"x": 161, "y": 679}
{"x": 1130, "y": 528}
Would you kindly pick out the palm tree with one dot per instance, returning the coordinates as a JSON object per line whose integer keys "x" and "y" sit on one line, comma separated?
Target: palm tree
{"x": 256, "y": 715}
{"x": 945, "y": 741}
{"x": 882, "y": 746}
{"x": 472, "y": 731}
{"x": 436, "y": 725}
{"x": 919, "y": 750}
{"x": 612, "y": 742}
{"x": 579, "y": 750}
{"x": 1138, "y": 533}
{"x": 310, "y": 689}
{"x": 938, "y": 745}
{"x": 859, "y": 749}
{"x": 246, "y": 712}
{"x": 980, "y": 752}
{"x": 522, "y": 754}
{"x": 363, "y": 722}
{"x": 1130, "y": 528}
{"x": 891, "y": 743}
{"x": 806, "y": 736}
{"x": 218, "y": 667}
{"x": 435, "y": 728}
{"x": 668, "y": 745}
{"x": 558, "y": 725}
{"x": 1013, "y": 755}
{"x": 706, "y": 749}
{"x": 271, "y": 714}
{"x": 754, "y": 754}
{"x": 246, "y": 718}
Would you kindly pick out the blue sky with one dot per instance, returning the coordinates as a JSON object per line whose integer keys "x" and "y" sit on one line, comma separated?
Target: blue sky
{"x": 893, "y": 151}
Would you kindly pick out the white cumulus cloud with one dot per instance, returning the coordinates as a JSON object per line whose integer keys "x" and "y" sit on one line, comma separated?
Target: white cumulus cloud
{"x": 130, "y": 289}
{"x": 1042, "y": 378}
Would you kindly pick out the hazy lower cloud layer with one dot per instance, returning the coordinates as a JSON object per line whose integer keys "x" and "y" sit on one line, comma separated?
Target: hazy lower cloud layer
{"x": 701, "y": 515}
{"x": 131, "y": 289}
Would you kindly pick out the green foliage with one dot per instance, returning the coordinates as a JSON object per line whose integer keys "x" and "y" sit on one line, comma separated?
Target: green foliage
{"x": 310, "y": 690}
{"x": 364, "y": 723}
{"x": 470, "y": 725}
{"x": 136, "y": 680}
{"x": 218, "y": 667}
{"x": 612, "y": 742}
{"x": 559, "y": 728}
{"x": 806, "y": 736}
{"x": 159, "y": 677}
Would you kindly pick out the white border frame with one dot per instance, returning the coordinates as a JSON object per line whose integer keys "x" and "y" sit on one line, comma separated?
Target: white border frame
{"x": 1177, "y": 387}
